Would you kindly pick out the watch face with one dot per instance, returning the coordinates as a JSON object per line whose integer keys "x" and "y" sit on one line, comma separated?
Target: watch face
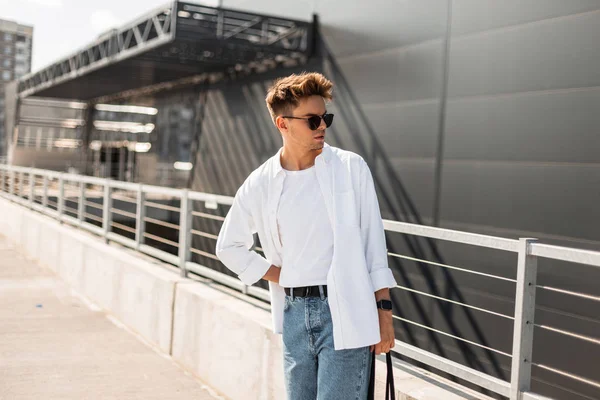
{"x": 385, "y": 304}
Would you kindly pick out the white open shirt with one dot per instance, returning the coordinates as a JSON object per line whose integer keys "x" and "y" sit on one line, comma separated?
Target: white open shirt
{"x": 359, "y": 266}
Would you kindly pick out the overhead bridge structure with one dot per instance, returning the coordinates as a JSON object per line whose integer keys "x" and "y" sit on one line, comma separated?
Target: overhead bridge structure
{"x": 172, "y": 43}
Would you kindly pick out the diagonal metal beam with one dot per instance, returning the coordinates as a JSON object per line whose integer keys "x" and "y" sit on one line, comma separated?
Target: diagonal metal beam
{"x": 128, "y": 39}
{"x": 147, "y": 29}
{"x": 138, "y": 36}
{"x": 243, "y": 27}
{"x": 157, "y": 27}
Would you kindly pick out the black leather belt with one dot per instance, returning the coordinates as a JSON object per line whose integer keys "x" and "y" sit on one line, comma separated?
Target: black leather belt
{"x": 306, "y": 291}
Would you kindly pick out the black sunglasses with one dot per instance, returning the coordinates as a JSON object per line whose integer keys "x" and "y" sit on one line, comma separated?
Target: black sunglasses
{"x": 315, "y": 121}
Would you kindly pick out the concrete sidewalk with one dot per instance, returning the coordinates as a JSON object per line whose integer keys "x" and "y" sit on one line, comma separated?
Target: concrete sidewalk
{"x": 54, "y": 346}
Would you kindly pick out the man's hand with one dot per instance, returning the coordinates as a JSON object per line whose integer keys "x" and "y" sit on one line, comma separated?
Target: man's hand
{"x": 272, "y": 274}
{"x": 386, "y": 325}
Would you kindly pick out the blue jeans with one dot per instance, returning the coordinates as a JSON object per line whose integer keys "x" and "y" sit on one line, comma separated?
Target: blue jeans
{"x": 313, "y": 368}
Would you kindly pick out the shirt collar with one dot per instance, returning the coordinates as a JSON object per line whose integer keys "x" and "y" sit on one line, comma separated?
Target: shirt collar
{"x": 276, "y": 167}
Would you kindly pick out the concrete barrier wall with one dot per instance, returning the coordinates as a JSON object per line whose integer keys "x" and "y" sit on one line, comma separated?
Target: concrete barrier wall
{"x": 227, "y": 342}
{"x": 140, "y": 294}
{"x": 223, "y": 339}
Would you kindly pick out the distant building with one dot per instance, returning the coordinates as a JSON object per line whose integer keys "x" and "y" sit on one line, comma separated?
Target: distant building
{"x": 15, "y": 61}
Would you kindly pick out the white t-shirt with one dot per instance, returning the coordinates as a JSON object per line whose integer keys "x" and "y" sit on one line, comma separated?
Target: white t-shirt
{"x": 304, "y": 230}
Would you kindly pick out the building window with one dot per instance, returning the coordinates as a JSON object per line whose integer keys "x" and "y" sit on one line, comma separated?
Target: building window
{"x": 7, "y": 50}
{"x": 6, "y": 63}
{"x": 20, "y": 50}
{"x": 7, "y": 37}
{"x": 6, "y": 75}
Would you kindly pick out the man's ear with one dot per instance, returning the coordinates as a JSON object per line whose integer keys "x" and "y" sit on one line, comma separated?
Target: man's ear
{"x": 281, "y": 123}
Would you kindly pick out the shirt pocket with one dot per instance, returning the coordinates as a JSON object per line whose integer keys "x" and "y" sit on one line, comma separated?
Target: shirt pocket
{"x": 346, "y": 209}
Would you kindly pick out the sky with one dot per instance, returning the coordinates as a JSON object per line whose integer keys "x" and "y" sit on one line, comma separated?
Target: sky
{"x": 60, "y": 27}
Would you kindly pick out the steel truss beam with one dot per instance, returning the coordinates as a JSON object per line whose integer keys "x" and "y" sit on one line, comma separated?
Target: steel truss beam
{"x": 215, "y": 38}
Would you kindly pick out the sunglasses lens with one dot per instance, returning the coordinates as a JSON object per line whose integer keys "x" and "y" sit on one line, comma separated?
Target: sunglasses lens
{"x": 314, "y": 122}
{"x": 328, "y": 118}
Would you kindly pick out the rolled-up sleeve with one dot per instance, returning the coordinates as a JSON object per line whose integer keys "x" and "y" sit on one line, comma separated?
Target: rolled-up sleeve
{"x": 236, "y": 239}
{"x": 373, "y": 234}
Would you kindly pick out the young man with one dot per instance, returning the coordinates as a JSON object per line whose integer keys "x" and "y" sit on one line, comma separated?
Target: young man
{"x": 316, "y": 213}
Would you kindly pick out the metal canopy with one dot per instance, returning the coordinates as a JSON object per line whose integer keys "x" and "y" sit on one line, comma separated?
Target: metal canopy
{"x": 170, "y": 43}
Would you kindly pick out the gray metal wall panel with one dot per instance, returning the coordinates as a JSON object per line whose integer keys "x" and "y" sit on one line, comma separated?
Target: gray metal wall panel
{"x": 407, "y": 129}
{"x": 550, "y": 54}
{"x": 543, "y": 127}
{"x": 479, "y": 15}
{"x": 561, "y": 200}
{"x": 396, "y": 75}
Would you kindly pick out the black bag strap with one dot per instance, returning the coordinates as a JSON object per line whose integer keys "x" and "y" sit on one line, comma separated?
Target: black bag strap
{"x": 390, "y": 392}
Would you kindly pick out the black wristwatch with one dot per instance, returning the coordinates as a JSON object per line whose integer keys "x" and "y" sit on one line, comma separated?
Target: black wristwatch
{"x": 385, "y": 305}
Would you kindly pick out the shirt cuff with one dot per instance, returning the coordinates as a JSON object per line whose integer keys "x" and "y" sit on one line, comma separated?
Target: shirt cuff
{"x": 382, "y": 278}
{"x": 255, "y": 271}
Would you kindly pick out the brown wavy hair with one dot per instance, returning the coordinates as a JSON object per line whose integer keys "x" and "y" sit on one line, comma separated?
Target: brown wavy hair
{"x": 285, "y": 93}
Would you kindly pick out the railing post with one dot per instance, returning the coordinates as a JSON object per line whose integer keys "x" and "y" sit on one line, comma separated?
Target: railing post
{"x": 2, "y": 178}
{"x": 140, "y": 226}
{"x": 31, "y": 189}
{"x": 106, "y": 206}
{"x": 12, "y": 182}
{"x": 524, "y": 316}
{"x": 45, "y": 193}
{"x": 60, "y": 199}
{"x": 185, "y": 221}
{"x": 21, "y": 176}
{"x": 81, "y": 205}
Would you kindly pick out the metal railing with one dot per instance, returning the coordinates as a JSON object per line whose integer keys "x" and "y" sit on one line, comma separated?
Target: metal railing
{"x": 90, "y": 203}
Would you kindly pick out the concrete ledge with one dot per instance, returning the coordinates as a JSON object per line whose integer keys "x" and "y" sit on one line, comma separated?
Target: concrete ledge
{"x": 140, "y": 294}
{"x": 224, "y": 340}
{"x": 228, "y": 343}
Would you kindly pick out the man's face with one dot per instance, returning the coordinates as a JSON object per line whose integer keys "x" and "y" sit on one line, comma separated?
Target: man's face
{"x": 296, "y": 132}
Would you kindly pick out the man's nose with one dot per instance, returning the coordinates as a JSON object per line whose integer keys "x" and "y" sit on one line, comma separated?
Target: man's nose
{"x": 322, "y": 125}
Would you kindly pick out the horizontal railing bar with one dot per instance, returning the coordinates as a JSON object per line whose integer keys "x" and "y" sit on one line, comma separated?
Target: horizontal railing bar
{"x": 85, "y": 179}
{"x": 70, "y": 220}
{"x": 94, "y": 205}
{"x": 227, "y": 280}
{"x": 162, "y": 240}
{"x": 92, "y": 217}
{"x": 453, "y": 368}
{"x": 204, "y": 253}
{"x": 451, "y": 267}
{"x": 121, "y": 239}
{"x": 208, "y": 216}
{"x": 568, "y": 375}
{"x": 450, "y": 335}
{"x": 570, "y": 293}
{"x": 161, "y": 206}
{"x": 66, "y": 208}
{"x": 216, "y": 276}
{"x": 535, "y": 396}
{"x": 93, "y": 228}
{"x": 203, "y": 234}
{"x": 575, "y": 335}
{"x": 123, "y": 227}
{"x": 123, "y": 213}
{"x": 454, "y": 302}
{"x": 162, "y": 190}
{"x": 129, "y": 186}
{"x": 160, "y": 254}
{"x": 207, "y": 197}
{"x": 579, "y": 256}
{"x": 161, "y": 223}
{"x": 124, "y": 198}
{"x": 492, "y": 242}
